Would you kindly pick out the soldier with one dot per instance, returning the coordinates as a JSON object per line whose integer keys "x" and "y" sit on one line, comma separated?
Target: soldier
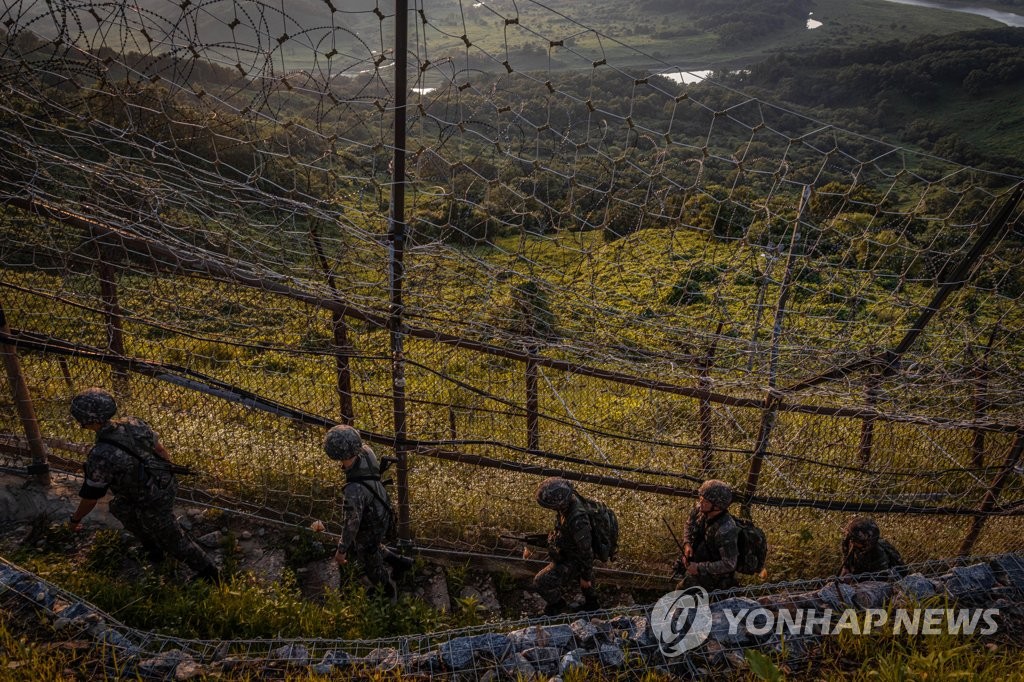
{"x": 569, "y": 546}
{"x": 864, "y": 551}
{"x": 129, "y": 461}
{"x": 710, "y": 541}
{"x": 368, "y": 514}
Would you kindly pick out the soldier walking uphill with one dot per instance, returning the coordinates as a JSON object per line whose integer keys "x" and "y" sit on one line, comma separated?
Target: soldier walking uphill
{"x": 569, "y": 546}
{"x": 129, "y": 461}
{"x": 369, "y": 517}
{"x": 864, "y": 551}
{"x": 710, "y": 541}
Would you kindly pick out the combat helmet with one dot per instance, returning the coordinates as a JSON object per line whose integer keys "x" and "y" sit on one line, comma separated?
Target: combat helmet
{"x": 717, "y": 493}
{"x": 342, "y": 442}
{"x": 861, "y": 529}
{"x": 93, "y": 406}
{"x": 554, "y": 493}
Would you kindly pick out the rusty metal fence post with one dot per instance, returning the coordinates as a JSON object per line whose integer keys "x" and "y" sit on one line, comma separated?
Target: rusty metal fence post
{"x": 396, "y": 265}
{"x": 40, "y": 469}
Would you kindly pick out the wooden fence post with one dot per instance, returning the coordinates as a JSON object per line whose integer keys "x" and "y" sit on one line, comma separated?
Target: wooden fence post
{"x": 707, "y": 463}
{"x": 867, "y": 429}
{"x": 40, "y": 469}
{"x": 113, "y": 316}
{"x": 981, "y": 400}
{"x": 772, "y": 399}
{"x": 342, "y": 368}
{"x": 980, "y": 408}
{"x": 532, "y": 402}
{"x": 339, "y": 328}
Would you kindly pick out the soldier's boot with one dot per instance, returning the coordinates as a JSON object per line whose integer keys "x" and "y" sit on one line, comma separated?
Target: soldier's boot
{"x": 154, "y": 554}
{"x": 554, "y": 608}
{"x": 590, "y": 601}
{"x": 400, "y": 565}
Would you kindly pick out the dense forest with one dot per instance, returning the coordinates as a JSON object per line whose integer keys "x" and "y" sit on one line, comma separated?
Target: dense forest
{"x": 735, "y": 25}
{"x": 917, "y": 92}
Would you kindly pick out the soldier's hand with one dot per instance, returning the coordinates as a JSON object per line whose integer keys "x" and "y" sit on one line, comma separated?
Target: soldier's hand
{"x": 527, "y": 553}
{"x": 688, "y": 552}
{"x": 340, "y": 558}
{"x": 585, "y": 584}
{"x": 691, "y": 569}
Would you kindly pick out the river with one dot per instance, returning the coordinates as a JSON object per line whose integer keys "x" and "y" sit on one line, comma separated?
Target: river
{"x": 1008, "y": 18}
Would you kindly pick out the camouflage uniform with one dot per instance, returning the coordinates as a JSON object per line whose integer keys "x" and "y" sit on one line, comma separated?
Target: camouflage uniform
{"x": 715, "y": 551}
{"x": 368, "y": 519}
{"x": 143, "y": 495}
{"x": 873, "y": 555}
{"x": 569, "y": 546}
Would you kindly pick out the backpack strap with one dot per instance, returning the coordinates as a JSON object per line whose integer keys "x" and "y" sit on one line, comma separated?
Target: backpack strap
{"x": 364, "y": 482}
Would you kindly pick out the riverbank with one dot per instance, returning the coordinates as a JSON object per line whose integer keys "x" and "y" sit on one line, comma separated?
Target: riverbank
{"x": 1003, "y": 17}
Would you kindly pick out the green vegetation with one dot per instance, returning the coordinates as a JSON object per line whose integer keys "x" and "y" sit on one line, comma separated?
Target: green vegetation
{"x": 109, "y": 573}
{"x": 884, "y": 656}
{"x": 956, "y": 95}
{"x": 156, "y": 599}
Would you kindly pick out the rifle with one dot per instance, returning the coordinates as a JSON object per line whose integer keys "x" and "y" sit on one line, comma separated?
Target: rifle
{"x": 680, "y": 565}
{"x": 846, "y": 559}
{"x": 532, "y": 539}
{"x": 176, "y": 469}
{"x": 671, "y": 532}
{"x": 385, "y": 463}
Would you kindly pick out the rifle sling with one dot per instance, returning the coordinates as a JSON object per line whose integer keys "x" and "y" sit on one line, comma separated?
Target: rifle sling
{"x": 364, "y": 481}
{"x": 175, "y": 468}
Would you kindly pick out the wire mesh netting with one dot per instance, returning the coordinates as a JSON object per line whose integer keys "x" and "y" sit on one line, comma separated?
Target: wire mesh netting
{"x": 568, "y": 265}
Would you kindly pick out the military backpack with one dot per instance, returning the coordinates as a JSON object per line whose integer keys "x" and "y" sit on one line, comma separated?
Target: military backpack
{"x": 604, "y": 528}
{"x": 892, "y": 555}
{"x": 391, "y": 518}
{"x": 752, "y": 545}
{"x": 153, "y": 474}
